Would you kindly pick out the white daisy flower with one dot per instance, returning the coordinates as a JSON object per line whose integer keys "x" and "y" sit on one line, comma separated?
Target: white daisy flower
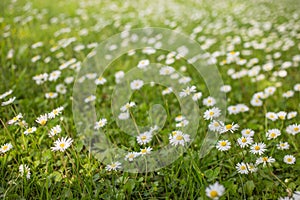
{"x": 42, "y": 119}
{"x": 61, "y": 144}
{"x": 41, "y": 78}
{"x": 24, "y": 169}
{"x": 258, "y": 148}
{"x": 292, "y": 114}
{"x": 256, "y": 102}
{"x": 264, "y": 160}
{"x": 230, "y": 127}
{"x": 6, "y": 147}
{"x": 143, "y": 64}
{"x": 283, "y": 146}
{"x": 146, "y": 150}
{"x": 114, "y": 166}
{"x": 179, "y": 118}
{"x": 187, "y": 91}
{"x": 197, "y": 96}
{"x": 30, "y": 130}
{"x": 216, "y": 126}
{"x": 167, "y": 70}
{"x": 100, "y": 124}
{"x": 272, "y": 116}
{"x": 251, "y": 167}
{"x": 183, "y": 123}
{"x": 293, "y": 129}
{"x": 273, "y": 133}
{"x": 9, "y": 101}
{"x": 168, "y": 90}
{"x": 61, "y": 88}
{"x": 144, "y": 138}
{"x": 127, "y": 106}
{"x": 90, "y": 99}
{"x": 54, "y": 131}
{"x": 184, "y": 80}
{"x": 100, "y": 81}
{"x": 119, "y": 76}
{"x": 53, "y": 76}
{"x": 55, "y": 112}
{"x": 5, "y": 94}
{"x": 233, "y": 110}
{"x": 242, "y": 168}
{"x": 289, "y": 159}
{"x": 136, "y": 84}
{"x": 288, "y": 94}
{"x": 178, "y": 138}
{"x": 245, "y": 141}
{"x": 248, "y": 132}
{"x": 51, "y": 95}
{"x": 281, "y": 115}
{"x": 223, "y": 145}
{"x": 225, "y": 88}
{"x": 15, "y": 119}
{"x": 209, "y": 101}
{"x": 212, "y": 113}
{"x": 215, "y": 191}
{"x": 131, "y": 156}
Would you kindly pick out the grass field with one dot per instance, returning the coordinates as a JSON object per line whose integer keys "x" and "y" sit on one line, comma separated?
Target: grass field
{"x": 250, "y": 150}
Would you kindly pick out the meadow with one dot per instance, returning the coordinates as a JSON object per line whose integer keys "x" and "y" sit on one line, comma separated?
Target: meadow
{"x": 149, "y": 99}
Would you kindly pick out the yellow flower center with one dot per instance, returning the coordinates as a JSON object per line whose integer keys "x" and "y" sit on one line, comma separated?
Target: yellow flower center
{"x": 244, "y": 140}
{"x": 223, "y": 143}
{"x": 213, "y": 193}
{"x": 15, "y": 119}
{"x": 144, "y": 137}
{"x": 228, "y": 126}
{"x": 113, "y": 165}
{"x": 62, "y": 145}
{"x": 296, "y": 129}
{"x": 43, "y": 122}
{"x": 5, "y": 147}
{"x": 174, "y": 133}
{"x": 55, "y": 112}
{"x": 243, "y": 167}
{"x": 257, "y": 148}
{"x": 144, "y": 150}
{"x": 281, "y": 117}
{"x": 179, "y": 137}
{"x": 211, "y": 113}
{"x": 289, "y": 159}
{"x": 131, "y": 155}
{"x": 265, "y": 159}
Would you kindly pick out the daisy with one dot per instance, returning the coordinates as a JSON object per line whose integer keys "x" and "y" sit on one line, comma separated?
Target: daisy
{"x": 212, "y": 113}
{"x": 127, "y": 106}
{"x": 233, "y": 110}
{"x": 293, "y": 129}
{"x": 215, "y": 191}
{"x": 197, "y": 96}
{"x": 251, "y": 167}
{"x": 273, "y": 133}
{"x": 223, "y": 145}
{"x": 297, "y": 87}
{"x": 146, "y": 150}
{"x": 230, "y": 127}
{"x": 54, "y": 131}
{"x": 258, "y": 148}
{"x": 167, "y": 70}
{"x": 90, "y": 99}
{"x": 100, "y": 124}
{"x": 40, "y": 79}
{"x": 178, "y": 138}
{"x": 15, "y": 119}
{"x": 61, "y": 88}
{"x": 288, "y": 94}
{"x": 283, "y": 146}
{"x": 114, "y": 166}
{"x": 51, "y": 95}
{"x": 248, "y": 132}
{"x": 61, "y": 144}
{"x": 168, "y": 90}
{"x": 6, "y": 147}
{"x": 9, "y": 101}
{"x": 5, "y": 94}
{"x": 24, "y": 169}
{"x": 55, "y": 112}
{"x": 281, "y": 115}
{"x": 272, "y": 116}
{"x": 242, "y": 168}
{"x": 184, "y": 80}
{"x": 256, "y": 102}
{"x": 209, "y": 101}
{"x": 183, "y": 123}
{"x": 245, "y": 141}
{"x": 53, "y": 76}
{"x": 30, "y": 130}
{"x": 225, "y": 88}
{"x": 119, "y": 76}
{"x": 187, "y": 91}
{"x": 42, "y": 119}
{"x": 292, "y": 114}
{"x": 136, "y": 84}
{"x": 22, "y": 124}
{"x": 144, "y": 138}
{"x": 100, "y": 81}
{"x": 131, "y": 155}
{"x": 143, "y": 64}
{"x": 215, "y": 126}
{"x": 123, "y": 116}
{"x": 264, "y": 160}
{"x": 179, "y": 118}
{"x": 289, "y": 159}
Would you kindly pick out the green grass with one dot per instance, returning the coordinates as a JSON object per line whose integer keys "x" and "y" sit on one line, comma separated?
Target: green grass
{"x": 76, "y": 173}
